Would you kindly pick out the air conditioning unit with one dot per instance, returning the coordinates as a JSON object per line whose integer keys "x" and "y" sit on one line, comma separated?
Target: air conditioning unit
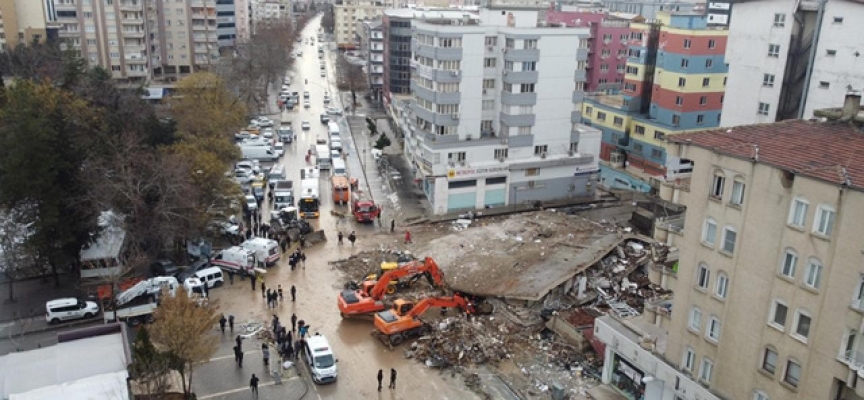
{"x": 616, "y": 158}
{"x": 484, "y": 91}
{"x": 504, "y": 141}
{"x": 455, "y": 116}
{"x": 543, "y": 155}
{"x": 500, "y": 159}
{"x": 469, "y": 137}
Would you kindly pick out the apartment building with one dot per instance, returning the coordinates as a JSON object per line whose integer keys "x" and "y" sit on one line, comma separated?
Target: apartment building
{"x": 266, "y": 10}
{"x": 396, "y": 28}
{"x": 136, "y": 39}
{"x": 23, "y": 21}
{"x": 493, "y": 119}
{"x": 371, "y": 40}
{"x": 674, "y": 82}
{"x": 243, "y": 18}
{"x": 607, "y": 45}
{"x": 227, "y": 22}
{"x": 349, "y": 12}
{"x": 805, "y": 55}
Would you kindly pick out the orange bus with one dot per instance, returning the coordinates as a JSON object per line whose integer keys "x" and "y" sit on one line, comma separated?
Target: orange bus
{"x": 341, "y": 189}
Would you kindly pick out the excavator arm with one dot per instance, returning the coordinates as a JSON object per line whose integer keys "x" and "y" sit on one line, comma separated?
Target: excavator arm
{"x": 455, "y": 301}
{"x": 427, "y": 267}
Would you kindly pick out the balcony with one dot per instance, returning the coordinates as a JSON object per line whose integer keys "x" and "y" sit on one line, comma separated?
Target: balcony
{"x": 578, "y": 96}
{"x": 131, "y": 6}
{"x": 582, "y": 54}
{"x": 437, "y": 75}
{"x": 203, "y": 27}
{"x": 133, "y": 34}
{"x": 136, "y": 73}
{"x": 517, "y": 77}
{"x": 518, "y": 99}
{"x": 132, "y": 21}
{"x": 518, "y": 119}
{"x": 519, "y": 55}
{"x": 438, "y": 53}
{"x": 575, "y": 116}
{"x": 580, "y": 76}
{"x": 135, "y": 59}
{"x": 433, "y": 96}
{"x": 436, "y": 118}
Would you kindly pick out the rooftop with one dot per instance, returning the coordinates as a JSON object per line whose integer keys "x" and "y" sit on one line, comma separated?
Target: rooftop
{"x": 430, "y": 13}
{"x": 827, "y": 151}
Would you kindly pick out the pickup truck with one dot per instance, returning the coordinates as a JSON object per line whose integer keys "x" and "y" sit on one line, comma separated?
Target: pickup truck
{"x": 133, "y": 313}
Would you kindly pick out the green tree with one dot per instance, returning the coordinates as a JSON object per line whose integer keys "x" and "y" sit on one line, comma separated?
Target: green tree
{"x": 205, "y": 109}
{"x": 373, "y": 128}
{"x": 41, "y": 163}
{"x": 382, "y": 142}
{"x": 150, "y": 367}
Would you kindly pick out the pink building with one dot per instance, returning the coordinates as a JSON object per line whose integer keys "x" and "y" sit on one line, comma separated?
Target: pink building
{"x": 607, "y": 46}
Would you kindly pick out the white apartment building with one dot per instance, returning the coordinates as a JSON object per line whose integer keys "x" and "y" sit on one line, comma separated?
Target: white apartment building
{"x": 136, "y": 39}
{"x": 371, "y": 35}
{"x": 22, "y": 21}
{"x": 493, "y": 118}
{"x": 243, "y": 13}
{"x": 802, "y": 56}
{"x": 349, "y": 13}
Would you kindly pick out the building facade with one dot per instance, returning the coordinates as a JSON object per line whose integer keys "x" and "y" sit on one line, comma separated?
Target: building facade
{"x": 349, "y": 13}
{"x": 806, "y": 54}
{"x": 607, "y": 46}
{"x": 243, "y": 16}
{"x": 372, "y": 45}
{"x": 674, "y": 82}
{"x": 137, "y": 40}
{"x": 23, "y": 21}
{"x": 396, "y": 29}
{"x": 649, "y": 9}
{"x": 492, "y": 118}
{"x": 768, "y": 293}
{"x": 227, "y": 22}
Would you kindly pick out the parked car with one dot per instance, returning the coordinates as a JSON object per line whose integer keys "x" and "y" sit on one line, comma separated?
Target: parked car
{"x": 242, "y": 135}
{"x": 267, "y": 133}
{"x": 305, "y": 125}
{"x": 250, "y": 204}
{"x": 163, "y": 267}
{"x": 326, "y": 99}
{"x": 323, "y": 74}
{"x": 307, "y": 104}
{"x": 265, "y": 122}
{"x": 334, "y": 111}
{"x": 305, "y": 94}
{"x": 325, "y": 118}
{"x": 69, "y": 308}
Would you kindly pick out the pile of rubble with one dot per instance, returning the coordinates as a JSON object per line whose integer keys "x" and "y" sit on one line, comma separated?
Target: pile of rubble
{"x": 458, "y": 341}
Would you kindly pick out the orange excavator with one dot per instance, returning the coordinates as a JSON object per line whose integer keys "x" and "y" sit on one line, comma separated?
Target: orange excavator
{"x": 402, "y": 320}
{"x": 367, "y": 299}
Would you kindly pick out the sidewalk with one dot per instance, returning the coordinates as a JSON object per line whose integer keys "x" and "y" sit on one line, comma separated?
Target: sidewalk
{"x": 32, "y": 294}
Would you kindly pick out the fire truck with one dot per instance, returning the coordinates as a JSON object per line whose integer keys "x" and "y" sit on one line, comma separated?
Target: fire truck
{"x": 364, "y": 208}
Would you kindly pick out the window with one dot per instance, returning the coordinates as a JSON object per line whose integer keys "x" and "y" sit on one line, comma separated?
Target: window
{"x": 764, "y": 108}
{"x": 659, "y": 135}
{"x": 695, "y": 319}
{"x": 802, "y": 324}
{"x": 656, "y": 153}
{"x": 538, "y": 150}
{"x": 849, "y": 346}
{"x": 530, "y": 43}
{"x": 531, "y": 66}
{"x": 703, "y": 100}
{"x": 532, "y": 172}
{"x": 682, "y": 82}
{"x": 713, "y": 331}
{"x": 491, "y": 40}
{"x": 778, "y": 314}
{"x": 779, "y": 20}
{"x": 508, "y": 65}
{"x": 458, "y": 156}
{"x": 717, "y": 186}
{"x": 700, "y": 119}
{"x": 773, "y": 50}
{"x": 737, "y": 193}
{"x": 574, "y": 147}
{"x": 601, "y": 116}
{"x": 685, "y": 63}
{"x": 509, "y": 43}
{"x": 831, "y": 53}
{"x": 712, "y": 43}
{"x": 676, "y": 120}
{"x": 703, "y": 275}
{"x": 526, "y": 88}
{"x": 679, "y": 101}
{"x": 838, "y": 20}
{"x": 709, "y": 232}
{"x": 501, "y": 153}
{"x": 638, "y": 148}
{"x": 813, "y": 278}
{"x": 824, "y": 220}
{"x": 768, "y": 80}
{"x": 523, "y": 130}
{"x": 858, "y": 301}
{"x": 639, "y": 130}
{"x": 709, "y": 63}
{"x": 798, "y": 213}
{"x": 689, "y": 360}
{"x": 769, "y": 360}
{"x": 632, "y": 70}
{"x": 793, "y": 373}
{"x": 618, "y": 121}
{"x": 488, "y": 84}
{"x": 488, "y": 104}
{"x": 706, "y": 369}
{"x": 790, "y": 262}
{"x": 721, "y": 288}
{"x": 824, "y": 85}
{"x": 706, "y": 82}
{"x": 489, "y": 62}
{"x": 687, "y": 43}
{"x": 760, "y": 395}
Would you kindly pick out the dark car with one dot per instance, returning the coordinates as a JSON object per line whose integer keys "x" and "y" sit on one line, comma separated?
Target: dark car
{"x": 258, "y": 192}
{"x": 163, "y": 268}
{"x": 192, "y": 269}
{"x": 325, "y": 118}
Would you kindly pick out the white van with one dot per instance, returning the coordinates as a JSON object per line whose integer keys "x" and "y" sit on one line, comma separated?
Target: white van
{"x": 266, "y": 250}
{"x": 211, "y": 276}
{"x": 322, "y": 156}
{"x": 261, "y": 153}
{"x": 277, "y": 173}
{"x": 332, "y": 129}
{"x": 321, "y": 360}
{"x": 339, "y": 168}
{"x": 69, "y": 308}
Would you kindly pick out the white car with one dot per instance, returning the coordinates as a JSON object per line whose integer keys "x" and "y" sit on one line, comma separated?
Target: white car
{"x": 267, "y": 133}
{"x": 279, "y": 149}
{"x": 307, "y": 104}
{"x": 286, "y": 81}
{"x": 265, "y": 122}
{"x": 251, "y": 203}
{"x": 323, "y": 74}
{"x": 334, "y": 111}
{"x": 305, "y": 94}
{"x": 336, "y": 145}
{"x": 305, "y": 125}
{"x": 326, "y": 99}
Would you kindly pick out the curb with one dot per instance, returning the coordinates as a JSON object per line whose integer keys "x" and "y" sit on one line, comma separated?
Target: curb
{"x": 57, "y": 327}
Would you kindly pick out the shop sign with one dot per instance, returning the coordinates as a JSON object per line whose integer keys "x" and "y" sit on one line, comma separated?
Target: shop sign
{"x": 474, "y": 172}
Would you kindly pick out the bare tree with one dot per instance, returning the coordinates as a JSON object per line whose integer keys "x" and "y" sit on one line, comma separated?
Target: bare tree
{"x": 351, "y": 78}
{"x": 17, "y": 260}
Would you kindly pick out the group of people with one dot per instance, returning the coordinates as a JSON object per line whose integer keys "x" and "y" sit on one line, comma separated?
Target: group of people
{"x": 352, "y": 237}
{"x": 296, "y": 258}
{"x": 392, "y": 378}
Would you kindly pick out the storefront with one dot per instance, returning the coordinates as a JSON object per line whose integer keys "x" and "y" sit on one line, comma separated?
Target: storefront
{"x": 627, "y": 379}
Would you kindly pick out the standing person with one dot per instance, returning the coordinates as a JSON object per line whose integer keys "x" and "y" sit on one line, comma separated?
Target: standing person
{"x": 265, "y": 351}
{"x": 240, "y": 358}
{"x": 252, "y": 281}
{"x": 352, "y": 238}
{"x": 293, "y": 293}
{"x": 231, "y": 322}
{"x": 231, "y": 277}
{"x": 380, "y": 378}
{"x": 237, "y": 353}
{"x": 293, "y": 322}
{"x": 253, "y": 384}
{"x": 303, "y": 259}
{"x": 281, "y": 298}
{"x": 239, "y": 341}
{"x": 392, "y": 378}
{"x": 304, "y": 330}
{"x": 392, "y": 225}
{"x": 407, "y": 237}
{"x": 263, "y": 289}
{"x": 302, "y": 241}
{"x": 222, "y": 322}
{"x": 339, "y": 236}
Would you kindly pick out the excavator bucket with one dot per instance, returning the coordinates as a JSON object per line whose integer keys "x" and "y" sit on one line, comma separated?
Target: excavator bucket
{"x": 315, "y": 237}
{"x": 483, "y": 308}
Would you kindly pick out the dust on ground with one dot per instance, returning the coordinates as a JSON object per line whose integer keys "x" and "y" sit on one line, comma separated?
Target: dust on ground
{"x": 529, "y": 359}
